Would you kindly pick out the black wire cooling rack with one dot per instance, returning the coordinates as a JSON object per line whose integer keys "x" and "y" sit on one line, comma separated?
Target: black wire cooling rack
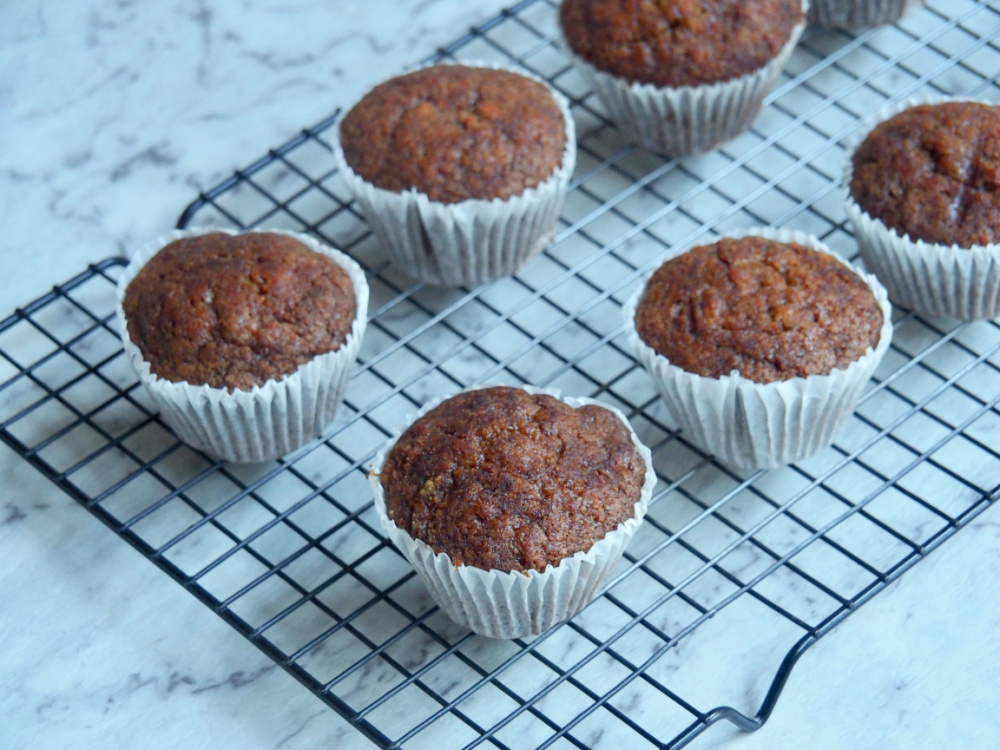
{"x": 763, "y": 565}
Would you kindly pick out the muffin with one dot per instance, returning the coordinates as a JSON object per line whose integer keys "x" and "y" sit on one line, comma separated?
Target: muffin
{"x": 460, "y": 171}
{"x": 853, "y": 14}
{"x": 922, "y": 190}
{"x": 760, "y": 343}
{"x": 244, "y": 341}
{"x": 513, "y": 504}
{"x": 680, "y": 76}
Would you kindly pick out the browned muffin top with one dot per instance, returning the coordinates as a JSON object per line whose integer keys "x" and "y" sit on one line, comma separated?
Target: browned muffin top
{"x": 933, "y": 172}
{"x": 233, "y": 311}
{"x": 456, "y": 133}
{"x": 501, "y": 479}
{"x": 770, "y": 310}
{"x": 678, "y": 42}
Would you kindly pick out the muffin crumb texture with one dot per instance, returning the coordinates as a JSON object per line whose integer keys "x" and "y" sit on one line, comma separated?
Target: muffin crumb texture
{"x": 678, "y": 42}
{"x": 501, "y": 479}
{"x": 456, "y": 133}
{"x": 770, "y": 310}
{"x": 234, "y": 311}
{"x": 933, "y": 172}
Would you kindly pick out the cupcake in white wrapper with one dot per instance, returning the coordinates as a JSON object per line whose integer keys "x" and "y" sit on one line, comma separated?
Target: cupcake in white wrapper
{"x": 854, "y": 14}
{"x": 753, "y": 425}
{"x": 470, "y": 241}
{"x": 516, "y": 604}
{"x": 266, "y": 421}
{"x": 685, "y": 119}
{"x": 932, "y": 278}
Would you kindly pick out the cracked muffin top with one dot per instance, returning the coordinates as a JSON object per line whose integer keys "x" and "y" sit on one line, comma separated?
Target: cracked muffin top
{"x": 455, "y": 133}
{"x": 233, "y": 311}
{"x": 678, "y": 42}
{"x": 933, "y": 172}
{"x": 770, "y": 310}
{"x": 501, "y": 479}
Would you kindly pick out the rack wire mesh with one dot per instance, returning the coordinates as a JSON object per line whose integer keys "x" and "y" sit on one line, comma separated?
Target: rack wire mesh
{"x": 756, "y": 566}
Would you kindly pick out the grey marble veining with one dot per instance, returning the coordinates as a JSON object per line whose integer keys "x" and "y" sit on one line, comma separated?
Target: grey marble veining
{"x": 112, "y": 117}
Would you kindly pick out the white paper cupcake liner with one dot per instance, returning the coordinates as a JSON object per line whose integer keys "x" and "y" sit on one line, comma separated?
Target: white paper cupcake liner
{"x": 470, "y": 242}
{"x": 517, "y": 604}
{"x": 937, "y": 280}
{"x": 753, "y": 425}
{"x": 269, "y": 420}
{"x": 852, "y": 14}
{"x": 682, "y": 120}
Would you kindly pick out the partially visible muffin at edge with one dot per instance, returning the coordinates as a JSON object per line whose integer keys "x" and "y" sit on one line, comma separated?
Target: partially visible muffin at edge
{"x": 455, "y": 133}
{"x": 679, "y": 76}
{"x": 501, "y": 479}
{"x": 767, "y": 309}
{"x": 853, "y": 14}
{"x": 678, "y": 42}
{"x": 932, "y": 172}
{"x": 233, "y": 311}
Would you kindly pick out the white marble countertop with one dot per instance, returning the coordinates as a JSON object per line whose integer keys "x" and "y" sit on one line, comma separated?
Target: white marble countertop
{"x": 112, "y": 117}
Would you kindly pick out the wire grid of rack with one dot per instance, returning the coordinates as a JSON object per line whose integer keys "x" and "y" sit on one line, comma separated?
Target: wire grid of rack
{"x": 731, "y": 578}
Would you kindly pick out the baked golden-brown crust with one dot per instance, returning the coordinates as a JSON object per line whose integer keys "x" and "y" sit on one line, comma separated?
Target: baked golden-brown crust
{"x": 501, "y": 479}
{"x": 456, "y": 133}
{"x": 770, "y": 310}
{"x": 233, "y": 311}
{"x": 933, "y": 172}
{"x": 678, "y": 42}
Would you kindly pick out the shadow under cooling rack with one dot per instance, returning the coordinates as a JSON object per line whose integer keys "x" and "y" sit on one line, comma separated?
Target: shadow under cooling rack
{"x": 732, "y": 576}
